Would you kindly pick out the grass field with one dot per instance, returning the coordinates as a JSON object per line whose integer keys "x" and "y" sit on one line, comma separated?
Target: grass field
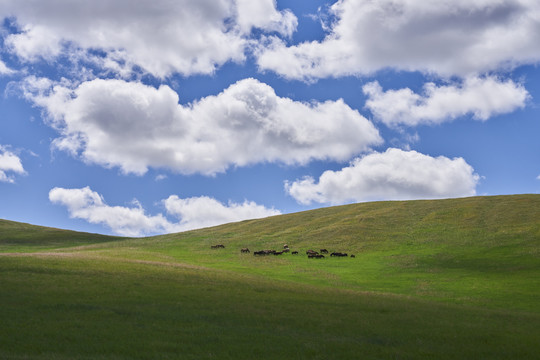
{"x": 441, "y": 279}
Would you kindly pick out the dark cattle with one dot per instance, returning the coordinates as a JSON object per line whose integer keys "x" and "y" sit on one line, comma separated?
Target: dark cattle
{"x": 277, "y": 252}
{"x": 217, "y": 246}
{"x": 286, "y": 250}
{"x": 285, "y": 246}
{"x": 311, "y": 252}
{"x": 338, "y": 254}
{"x": 324, "y": 251}
{"x": 244, "y": 250}
{"x": 264, "y": 252}
{"x": 294, "y": 253}
{"x": 352, "y": 255}
{"x": 315, "y": 256}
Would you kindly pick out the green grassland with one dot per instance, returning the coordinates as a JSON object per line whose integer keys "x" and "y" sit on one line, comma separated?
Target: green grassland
{"x": 437, "y": 279}
{"x": 21, "y": 237}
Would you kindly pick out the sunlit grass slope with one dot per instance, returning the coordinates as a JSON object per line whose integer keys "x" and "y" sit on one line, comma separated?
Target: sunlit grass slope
{"x": 441, "y": 279}
{"x": 482, "y": 251}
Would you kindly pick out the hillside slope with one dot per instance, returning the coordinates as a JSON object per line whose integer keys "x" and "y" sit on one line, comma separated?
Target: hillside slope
{"x": 478, "y": 250}
{"x": 475, "y": 221}
{"x": 483, "y": 251}
{"x": 16, "y": 236}
{"x": 438, "y": 279}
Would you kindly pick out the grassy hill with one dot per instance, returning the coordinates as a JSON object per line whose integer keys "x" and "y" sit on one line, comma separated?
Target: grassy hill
{"x": 441, "y": 279}
{"x": 16, "y": 236}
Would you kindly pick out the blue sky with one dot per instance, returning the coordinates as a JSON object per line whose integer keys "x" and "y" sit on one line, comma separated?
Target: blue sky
{"x": 155, "y": 117}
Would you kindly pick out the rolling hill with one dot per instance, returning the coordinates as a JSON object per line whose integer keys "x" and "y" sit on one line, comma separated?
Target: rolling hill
{"x": 445, "y": 279}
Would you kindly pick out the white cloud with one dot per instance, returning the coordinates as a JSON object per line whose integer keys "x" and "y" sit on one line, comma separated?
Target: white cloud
{"x": 460, "y": 37}
{"x": 88, "y": 205}
{"x": 392, "y": 175}
{"x": 199, "y": 212}
{"x": 192, "y": 213}
{"x": 9, "y": 163}
{"x": 263, "y": 14}
{"x": 4, "y": 69}
{"x": 34, "y": 42}
{"x": 481, "y": 97}
{"x": 134, "y": 126}
{"x": 160, "y": 36}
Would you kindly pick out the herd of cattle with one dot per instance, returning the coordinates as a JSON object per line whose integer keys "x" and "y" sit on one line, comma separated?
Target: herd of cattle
{"x": 311, "y": 254}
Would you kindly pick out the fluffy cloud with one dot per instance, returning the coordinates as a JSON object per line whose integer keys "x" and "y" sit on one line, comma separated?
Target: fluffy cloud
{"x": 161, "y": 36}
{"x": 392, "y": 175}
{"x": 459, "y": 37}
{"x": 262, "y": 14}
{"x": 199, "y": 212}
{"x": 88, "y": 205}
{"x": 9, "y": 163}
{"x": 193, "y": 213}
{"x": 481, "y": 97}
{"x": 134, "y": 126}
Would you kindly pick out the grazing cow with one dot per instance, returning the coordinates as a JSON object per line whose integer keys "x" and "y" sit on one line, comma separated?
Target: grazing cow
{"x": 264, "y": 252}
{"x": 286, "y": 250}
{"x": 277, "y": 252}
{"x": 244, "y": 250}
{"x": 352, "y": 255}
{"x": 324, "y": 251}
{"x": 311, "y": 252}
{"x": 338, "y": 254}
{"x": 294, "y": 253}
{"x": 285, "y": 246}
{"x": 315, "y": 256}
{"x": 217, "y": 246}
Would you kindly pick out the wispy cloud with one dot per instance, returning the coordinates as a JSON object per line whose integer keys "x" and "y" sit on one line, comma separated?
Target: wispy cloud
{"x": 5, "y": 70}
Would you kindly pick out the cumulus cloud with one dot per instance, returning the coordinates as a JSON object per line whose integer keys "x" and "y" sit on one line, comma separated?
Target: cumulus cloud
{"x": 192, "y": 213}
{"x": 88, "y": 205}
{"x": 161, "y": 36}
{"x": 448, "y": 38}
{"x": 392, "y": 175}
{"x": 199, "y": 212}
{"x": 481, "y": 97}
{"x": 9, "y": 164}
{"x": 134, "y": 126}
{"x": 262, "y": 14}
